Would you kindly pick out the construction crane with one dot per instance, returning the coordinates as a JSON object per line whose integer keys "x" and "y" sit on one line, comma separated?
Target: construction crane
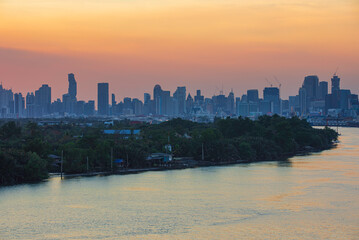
{"x": 279, "y": 84}
{"x": 271, "y": 85}
{"x": 335, "y": 74}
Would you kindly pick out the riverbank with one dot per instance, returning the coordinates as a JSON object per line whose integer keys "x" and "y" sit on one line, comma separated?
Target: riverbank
{"x": 191, "y": 163}
{"x": 29, "y": 153}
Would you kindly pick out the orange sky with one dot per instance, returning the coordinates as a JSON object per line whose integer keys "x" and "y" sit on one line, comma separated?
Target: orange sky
{"x": 207, "y": 44}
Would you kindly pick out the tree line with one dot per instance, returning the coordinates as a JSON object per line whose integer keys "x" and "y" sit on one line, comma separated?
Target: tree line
{"x": 26, "y": 150}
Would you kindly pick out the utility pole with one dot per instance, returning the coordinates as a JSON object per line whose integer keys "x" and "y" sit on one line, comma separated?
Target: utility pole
{"x": 202, "y": 153}
{"x": 62, "y": 160}
{"x": 111, "y": 159}
{"x": 87, "y": 163}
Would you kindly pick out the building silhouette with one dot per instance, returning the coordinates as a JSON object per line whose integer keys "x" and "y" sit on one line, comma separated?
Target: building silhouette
{"x": 72, "y": 86}
{"x": 103, "y": 99}
{"x": 271, "y": 94}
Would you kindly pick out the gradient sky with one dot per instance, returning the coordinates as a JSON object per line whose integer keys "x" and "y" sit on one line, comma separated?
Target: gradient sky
{"x": 206, "y": 44}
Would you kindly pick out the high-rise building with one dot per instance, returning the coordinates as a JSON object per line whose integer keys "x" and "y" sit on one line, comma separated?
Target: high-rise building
{"x": 166, "y": 103}
{"x": 220, "y": 105}
{"x": 30, "y": 105}
{"x": 68, "y": 106}
{"x": 157, "y": 98}
{"x": 19, "y": 105}
{"x": 345, "y": 97}
{"x": 242, "y": 109}
{"x": 311, "y": 85}
{"x": 252, "y": 95}
{"x": 113, "y": 104}
{"x": 199, "y": 99}
{"x": 89, "y": 108}
{"x": 103, "y": 99}
{"x": 189, "y": 103}
{"x": 72, "y": 86}
{"x": 180, "y": 96}
{"x": 230, "y": 103}
{"x": 43, "y": 100}
{"x": 147, "y": 103}
{"x": 80, "y": 108}
{"x": 323, "y": 90}
{"x": 6, "y": 102}
{"x": 335, "y": 83}
{"x": 303, "y": 101}
{"x": 271, "y": 94}
{"x": 244, "y": 98}
{"x": 137, "y": 106}
{"x": 146, "y": 98}
{"x": 265, "y": 107}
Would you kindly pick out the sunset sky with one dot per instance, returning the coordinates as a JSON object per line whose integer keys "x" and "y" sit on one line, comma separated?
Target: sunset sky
{"x": 206, "y": 44}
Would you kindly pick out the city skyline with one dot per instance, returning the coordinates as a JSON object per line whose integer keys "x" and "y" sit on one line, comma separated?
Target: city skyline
{"x": 267, "y": 82}
{"x": 313, "y": 99}
{"x": 134, "y": 45}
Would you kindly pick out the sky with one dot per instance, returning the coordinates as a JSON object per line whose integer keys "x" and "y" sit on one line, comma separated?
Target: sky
{"x": 211, "y": 45}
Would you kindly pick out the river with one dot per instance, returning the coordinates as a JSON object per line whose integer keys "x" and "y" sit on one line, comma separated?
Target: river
{"x": 307, "y": 197}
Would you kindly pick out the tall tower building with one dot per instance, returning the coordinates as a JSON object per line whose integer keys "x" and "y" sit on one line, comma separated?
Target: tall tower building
{"x": 252, "y": 95}
{"x": 103, "y": 99}
{"x": 180, "y": 96}
{"x": 19, "y": 105}
{"x": 43, "y": 100}
{"x": 157, "y": 98}
{"x": 323, "y": 90}
{"x": 311, "y": 85}
{"x": 303, "y": 101}
{"x": 271, "y": 94}
{"x": 72, "y": 86}
{"x": 335, "y": 84}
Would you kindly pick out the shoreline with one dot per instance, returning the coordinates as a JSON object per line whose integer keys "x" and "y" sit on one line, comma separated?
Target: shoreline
{"x": 199, "y": 164}
{"x": 180, "y": 167}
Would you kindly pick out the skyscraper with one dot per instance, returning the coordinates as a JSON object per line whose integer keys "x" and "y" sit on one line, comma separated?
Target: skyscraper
{"x": 230, "y": 103}
{"x": 180, "y": 96}
{"x": 157, "y": 98}
{"x": 252, "y": 95}
{"x": 72, "y": 86}
{"x": 323, "y": 90}
{"x": 103, "y": 99}
{"x": 303, "y": 101}
{"x": 271, "y": 94}
{"x": 43, "y": 100}
{"x": 335, "y": 84}
{"x": 30, "y": 105}
{"x": 19, "y": 105}
{"x": 311, "y": 84}
{"x": 199, "y": 99}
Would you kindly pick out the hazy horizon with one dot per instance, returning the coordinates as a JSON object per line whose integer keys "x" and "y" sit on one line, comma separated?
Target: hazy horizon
{"x": 199, "y": 44}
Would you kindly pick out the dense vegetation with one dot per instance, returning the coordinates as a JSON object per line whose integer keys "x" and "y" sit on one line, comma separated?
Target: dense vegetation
{"x": 25, "y": 150}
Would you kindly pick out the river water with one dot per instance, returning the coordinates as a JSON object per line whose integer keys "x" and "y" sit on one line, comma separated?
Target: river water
{"x": 307, "y": 197}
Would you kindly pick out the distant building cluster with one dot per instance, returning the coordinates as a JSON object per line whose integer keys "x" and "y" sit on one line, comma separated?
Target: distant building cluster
{"x": 313, "y": 99}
